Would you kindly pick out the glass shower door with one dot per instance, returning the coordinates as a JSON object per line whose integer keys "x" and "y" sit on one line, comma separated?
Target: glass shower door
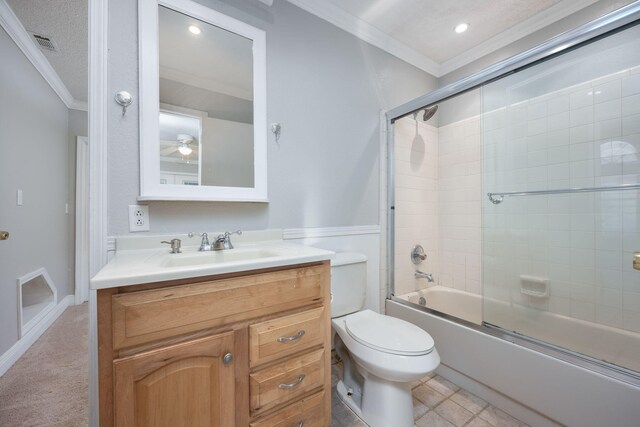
{"x": 561, "y": 211}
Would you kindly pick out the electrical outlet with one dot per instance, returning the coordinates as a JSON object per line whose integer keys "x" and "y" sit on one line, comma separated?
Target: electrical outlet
{"x": 138, "y": 218}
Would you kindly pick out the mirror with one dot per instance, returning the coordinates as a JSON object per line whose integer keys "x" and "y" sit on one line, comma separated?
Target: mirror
{"x": 203, "y": 104}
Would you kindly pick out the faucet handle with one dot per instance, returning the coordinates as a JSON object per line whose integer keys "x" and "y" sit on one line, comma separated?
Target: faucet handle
{"x": 204, "y": 243}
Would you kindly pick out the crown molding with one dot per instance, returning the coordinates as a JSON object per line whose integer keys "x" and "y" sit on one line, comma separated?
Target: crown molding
{"x": 368, "y": 33}
{"x": 78, "y": 105}
{"x": 12, "y": 25}
{"x": 527, "y": 27}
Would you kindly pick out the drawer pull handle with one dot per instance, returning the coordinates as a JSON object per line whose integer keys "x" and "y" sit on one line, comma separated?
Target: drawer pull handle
{"x": 291, "y": 338}
{"x": 293, "y": 384}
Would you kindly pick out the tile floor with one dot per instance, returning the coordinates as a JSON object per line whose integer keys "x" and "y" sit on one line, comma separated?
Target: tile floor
{"x": 436, "y": 403}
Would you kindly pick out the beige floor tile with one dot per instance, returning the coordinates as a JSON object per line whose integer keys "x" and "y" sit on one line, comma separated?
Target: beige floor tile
{"x": 433, "y": 420}
{"x": 422, "y": 380}
{"x": 342, "y": 416}
{"x": 498, "y": 418}
{"x": 428, "y": 396}
{"x": 419, "y": 409}
{"x": 478, "y": 422}
{"x": 453, "y": 413}
{"x": 442, "y": 385}
{"x": 469, "y": 401}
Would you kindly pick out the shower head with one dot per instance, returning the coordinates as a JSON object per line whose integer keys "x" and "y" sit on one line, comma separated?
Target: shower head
{"x": 429, "y": 112}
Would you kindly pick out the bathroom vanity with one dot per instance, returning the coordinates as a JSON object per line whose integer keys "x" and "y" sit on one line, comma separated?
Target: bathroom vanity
{"x": 236, "y": 338}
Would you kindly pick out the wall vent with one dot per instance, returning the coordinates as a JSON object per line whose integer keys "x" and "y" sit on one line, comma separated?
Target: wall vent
{"x": 45, "y": 42}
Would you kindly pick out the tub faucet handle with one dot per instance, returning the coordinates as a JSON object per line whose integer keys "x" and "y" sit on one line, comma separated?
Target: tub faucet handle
{"x": 418, "y": 255}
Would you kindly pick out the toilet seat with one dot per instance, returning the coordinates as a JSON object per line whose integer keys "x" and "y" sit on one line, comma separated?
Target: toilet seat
{"x": 388, "y": 334}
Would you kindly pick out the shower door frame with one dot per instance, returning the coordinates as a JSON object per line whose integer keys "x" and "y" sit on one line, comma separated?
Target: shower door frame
{"x": 590, "y": 32}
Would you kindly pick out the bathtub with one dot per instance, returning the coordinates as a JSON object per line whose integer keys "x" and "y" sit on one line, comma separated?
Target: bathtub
{"x": 536, "y": 387}
{"x": 602, "y": 342}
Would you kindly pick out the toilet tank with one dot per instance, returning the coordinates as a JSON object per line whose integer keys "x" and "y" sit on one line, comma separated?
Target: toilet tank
{"x": 348, "y": 283}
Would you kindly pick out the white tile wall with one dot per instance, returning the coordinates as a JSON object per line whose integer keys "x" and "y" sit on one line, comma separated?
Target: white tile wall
{"x": 587, "y": 135}
{"x": 459, "y": 204}
{"x": 416, "y": 201}
{"x": 438, "y": 204}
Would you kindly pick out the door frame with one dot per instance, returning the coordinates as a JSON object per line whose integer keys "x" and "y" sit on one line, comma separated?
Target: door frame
{"x": 82, "y": 220}
{"x": 98, "y": 117}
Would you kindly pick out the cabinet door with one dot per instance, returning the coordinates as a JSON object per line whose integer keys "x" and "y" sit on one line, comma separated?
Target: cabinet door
{"x": 186, "y": 384}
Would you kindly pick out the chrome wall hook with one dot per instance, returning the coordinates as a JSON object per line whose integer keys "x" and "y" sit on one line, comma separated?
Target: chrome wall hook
{"x": 124, "y": 99}
{"x": 276, "y": 128}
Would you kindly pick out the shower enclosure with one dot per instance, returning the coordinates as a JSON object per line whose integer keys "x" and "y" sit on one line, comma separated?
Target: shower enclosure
{"x": 524, "y": 191}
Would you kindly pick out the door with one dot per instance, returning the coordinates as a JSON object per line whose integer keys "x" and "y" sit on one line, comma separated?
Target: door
{"x": 82, "y": 220}
{"x": 187, "y": 384}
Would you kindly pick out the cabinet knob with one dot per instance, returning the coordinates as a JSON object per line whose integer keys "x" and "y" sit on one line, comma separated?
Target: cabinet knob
{"x": 228, "y": 358}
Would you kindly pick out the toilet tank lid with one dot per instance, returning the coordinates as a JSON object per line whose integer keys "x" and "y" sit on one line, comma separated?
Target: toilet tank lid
{"x": 344, "y": 258}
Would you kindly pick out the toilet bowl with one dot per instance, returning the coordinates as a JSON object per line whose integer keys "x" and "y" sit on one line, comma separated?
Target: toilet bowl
{"x": 381, "y": 355}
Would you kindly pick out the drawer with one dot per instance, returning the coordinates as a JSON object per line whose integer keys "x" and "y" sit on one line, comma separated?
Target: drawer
{"x": 308, "y": 412}
{"x": 286, "y": 381}
{"x": 286, "y": 335}
{"x": 144, "y": 316}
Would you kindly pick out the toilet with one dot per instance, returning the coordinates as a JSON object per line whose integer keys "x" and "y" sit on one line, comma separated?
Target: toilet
{"x": 381, "y": 355}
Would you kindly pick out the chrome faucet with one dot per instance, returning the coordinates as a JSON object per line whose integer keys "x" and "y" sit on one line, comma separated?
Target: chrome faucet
{"x": 420, "y": 275}
{"x": 224, "y": 241}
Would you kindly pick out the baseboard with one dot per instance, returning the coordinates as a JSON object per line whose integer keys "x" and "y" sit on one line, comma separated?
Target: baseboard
{"x": 12, "y": 355}
{"x": 495, "y": 398}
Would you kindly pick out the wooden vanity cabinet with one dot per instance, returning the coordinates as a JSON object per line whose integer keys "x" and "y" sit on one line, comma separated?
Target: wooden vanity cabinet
{"x": 243, "y": 349}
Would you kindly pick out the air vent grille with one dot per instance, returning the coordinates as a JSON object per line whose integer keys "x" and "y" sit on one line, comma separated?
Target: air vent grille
{"x": 45, "y": 42}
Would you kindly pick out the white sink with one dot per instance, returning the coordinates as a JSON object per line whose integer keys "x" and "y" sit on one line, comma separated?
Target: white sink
{"x": 217, "y": 257}
{"x": 141, "y": 259}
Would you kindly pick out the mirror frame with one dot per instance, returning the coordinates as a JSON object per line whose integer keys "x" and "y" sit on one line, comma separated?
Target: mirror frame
{"x": 149, "y": 77}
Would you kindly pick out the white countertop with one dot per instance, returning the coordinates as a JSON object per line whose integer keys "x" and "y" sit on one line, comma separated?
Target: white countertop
{"x": 137, "y": 264}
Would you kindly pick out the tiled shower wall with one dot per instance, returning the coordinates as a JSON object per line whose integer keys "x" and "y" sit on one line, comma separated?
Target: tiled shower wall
{"x": 438, "y": 186}
{"x": 584, "y": 136}
{"x": 416, "y": 201}
{"x": 459, "y": 205}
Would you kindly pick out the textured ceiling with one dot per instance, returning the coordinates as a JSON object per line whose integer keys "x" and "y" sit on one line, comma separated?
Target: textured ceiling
{"x": 66, "y": 21}
{"x": 427, "y": 25}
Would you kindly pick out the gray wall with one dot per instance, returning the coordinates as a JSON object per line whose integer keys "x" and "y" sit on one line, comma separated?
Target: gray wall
{"x": 581, "y": 17}
{"x": 227, "y": 153}
{"x": 324, "y": 86}
{"x": 34, "y": 145}
{"x": 78, "y": 126}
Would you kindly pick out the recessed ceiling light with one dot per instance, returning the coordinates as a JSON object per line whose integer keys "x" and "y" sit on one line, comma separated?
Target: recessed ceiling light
{"x": 194, "y": 29}
{"x": 461, "y": 28}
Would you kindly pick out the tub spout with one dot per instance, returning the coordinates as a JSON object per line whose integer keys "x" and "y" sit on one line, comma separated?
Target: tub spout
{"x": 420, "y": 275}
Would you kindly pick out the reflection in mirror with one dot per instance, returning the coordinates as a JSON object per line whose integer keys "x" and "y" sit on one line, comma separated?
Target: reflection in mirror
{"x": 179, "y": 149}
{"x": 206, "y": 104}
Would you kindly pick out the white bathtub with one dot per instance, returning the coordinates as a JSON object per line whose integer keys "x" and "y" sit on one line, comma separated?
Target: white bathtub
{"x": 602, "y": 342}
{"x": 562, "y": 392}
